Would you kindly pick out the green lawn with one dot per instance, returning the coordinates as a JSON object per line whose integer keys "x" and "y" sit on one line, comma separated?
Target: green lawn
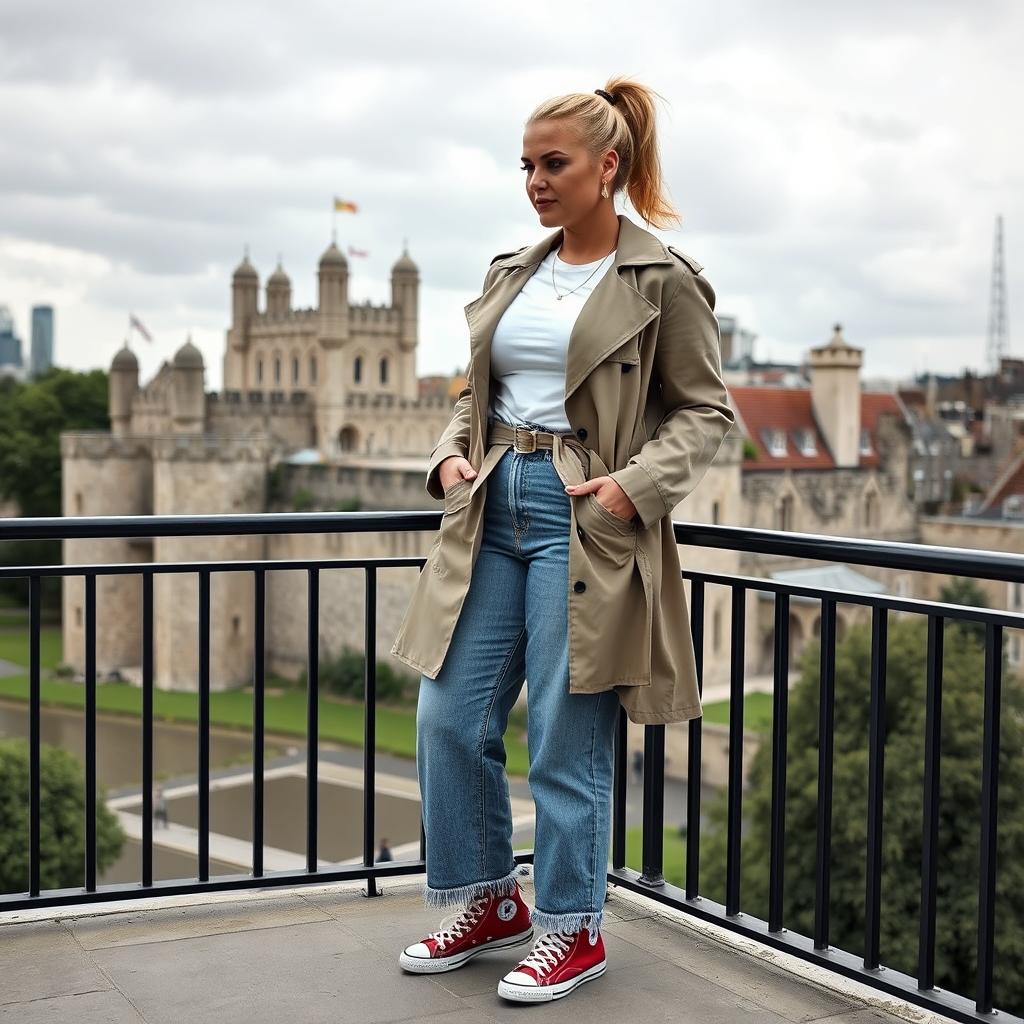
{"x": 673, "y": 853}
{"x": 340, "y": 721}
{"x": 757, "y": 712}
{"x": 14, "y": 646}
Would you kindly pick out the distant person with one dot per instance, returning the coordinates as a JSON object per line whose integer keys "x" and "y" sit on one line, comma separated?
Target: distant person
{"x": 385, "y": 851}
{"x": 160, "y": 815}
{"x": 594, "y": 403}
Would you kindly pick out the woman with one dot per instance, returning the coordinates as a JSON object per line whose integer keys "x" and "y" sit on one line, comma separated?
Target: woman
{"x": 594, "y": 404}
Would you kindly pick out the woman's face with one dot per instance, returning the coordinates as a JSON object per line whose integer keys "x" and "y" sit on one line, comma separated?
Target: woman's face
{"x": 563, "y": 182}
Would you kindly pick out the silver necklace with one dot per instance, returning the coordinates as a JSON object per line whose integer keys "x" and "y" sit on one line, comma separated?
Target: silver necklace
{"x": 580, "y": 285}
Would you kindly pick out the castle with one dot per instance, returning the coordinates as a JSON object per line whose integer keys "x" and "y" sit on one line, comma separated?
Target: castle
{"x": 335, "y": 385}
{"x": 325, "y": 404}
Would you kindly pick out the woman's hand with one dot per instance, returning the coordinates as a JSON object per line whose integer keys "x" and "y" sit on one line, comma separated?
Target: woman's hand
{"x": 453, "y": 469}
{"x": 615, "y": 499}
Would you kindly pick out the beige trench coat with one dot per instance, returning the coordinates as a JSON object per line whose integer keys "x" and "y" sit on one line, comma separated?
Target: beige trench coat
{"x": 645, "y": 399}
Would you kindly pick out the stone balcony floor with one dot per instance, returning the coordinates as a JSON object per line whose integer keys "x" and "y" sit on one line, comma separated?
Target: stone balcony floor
{"x": 328, "y": 954}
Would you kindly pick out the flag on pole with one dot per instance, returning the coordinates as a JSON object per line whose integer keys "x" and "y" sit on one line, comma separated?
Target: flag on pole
{"x": 136, "y": 324}
{"x": 344, "y": 206}
{"x": 353, "y": 251}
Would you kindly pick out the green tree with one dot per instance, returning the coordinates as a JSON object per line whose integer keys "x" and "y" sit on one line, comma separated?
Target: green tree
{"x": 959, "y": 810}
{"x": 32, "y": 416}
{"x": 61, "y": 821}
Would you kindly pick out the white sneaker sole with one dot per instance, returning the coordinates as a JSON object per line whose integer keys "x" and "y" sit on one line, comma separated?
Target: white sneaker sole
{"x": 545, "y": 993}
{"x": 422, "y": 965}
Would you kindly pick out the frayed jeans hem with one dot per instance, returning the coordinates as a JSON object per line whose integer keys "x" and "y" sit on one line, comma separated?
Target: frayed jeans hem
{"x": 461, "y": 894}
{"x": 568, "y": 922}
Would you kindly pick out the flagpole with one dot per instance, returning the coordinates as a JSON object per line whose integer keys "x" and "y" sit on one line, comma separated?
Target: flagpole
{"x": 334, "y": 220}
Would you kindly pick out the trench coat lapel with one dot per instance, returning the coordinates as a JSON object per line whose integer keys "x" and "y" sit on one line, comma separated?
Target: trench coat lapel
{"x": 613, "y": 313}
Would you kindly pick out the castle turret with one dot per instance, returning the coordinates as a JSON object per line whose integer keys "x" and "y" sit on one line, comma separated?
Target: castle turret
{"x": 835, "y": 396}
{"x": 123, "y": 385}
{"x": 279, "y": 293}
{"x": 245, "y": 286}
{"x": 333, "y": 333}
{"x": 405, "y": 297}
{"x": 405, "y": 292}
{"x": 333, "y": 297}
{"x": 188, "y": 394}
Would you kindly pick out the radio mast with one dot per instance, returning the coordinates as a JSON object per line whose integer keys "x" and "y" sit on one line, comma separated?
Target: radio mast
{"x": 998, "y": 332}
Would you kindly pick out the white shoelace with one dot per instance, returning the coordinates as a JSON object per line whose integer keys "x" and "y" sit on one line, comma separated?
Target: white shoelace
{"x": 453, "y": 926}
{"x": 549, "y": 949}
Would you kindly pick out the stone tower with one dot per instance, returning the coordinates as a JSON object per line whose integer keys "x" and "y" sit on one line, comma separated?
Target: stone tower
{"x": 245, "y": 286}
{"x": 188, "y": 393}
{"x": 123, "y": 386}
{"x": 835, "y": 396}
{"x": 405, "y": 297}
{"x": 333, "y": 330}
{"x": 279, "y": 293}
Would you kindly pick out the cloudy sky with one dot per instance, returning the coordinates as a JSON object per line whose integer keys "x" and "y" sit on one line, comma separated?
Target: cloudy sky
{"x": 831, "y": 161}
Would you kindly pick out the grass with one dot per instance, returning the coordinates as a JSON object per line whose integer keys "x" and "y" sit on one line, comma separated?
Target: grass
{"x": 757, "y": 712}
{"x": 341, "y": 721}
{"x": 673, "y": 853}
{"x": 14, "y": 647}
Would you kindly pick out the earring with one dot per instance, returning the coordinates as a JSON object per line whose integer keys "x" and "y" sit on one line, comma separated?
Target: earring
{"x": 604, "y": 189}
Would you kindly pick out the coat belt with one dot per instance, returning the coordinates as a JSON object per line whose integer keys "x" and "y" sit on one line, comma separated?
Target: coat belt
{"x": 526, "y": 439}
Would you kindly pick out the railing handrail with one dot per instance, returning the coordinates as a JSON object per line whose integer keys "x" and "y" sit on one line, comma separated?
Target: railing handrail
{"x": 885, "y": 554}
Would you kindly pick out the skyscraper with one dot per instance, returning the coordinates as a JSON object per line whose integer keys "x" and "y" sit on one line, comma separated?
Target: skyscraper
{"x": 10, "y": 346}
{"x": 42, "y": 339}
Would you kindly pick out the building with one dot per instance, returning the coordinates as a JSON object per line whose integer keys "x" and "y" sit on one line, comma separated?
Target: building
{"x": 11, "y": 364}
{"x": 41, "y": 358}
{"x": 318, "y": 406}
{"x": 321, "y": 409}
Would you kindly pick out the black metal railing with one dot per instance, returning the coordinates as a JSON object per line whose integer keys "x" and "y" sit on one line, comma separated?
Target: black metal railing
{"x": 650, "y": 880}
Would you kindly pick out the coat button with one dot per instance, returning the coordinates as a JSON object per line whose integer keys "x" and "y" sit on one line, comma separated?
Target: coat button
{"x": 582, "y": 433}
{"x": 579, "y": 586}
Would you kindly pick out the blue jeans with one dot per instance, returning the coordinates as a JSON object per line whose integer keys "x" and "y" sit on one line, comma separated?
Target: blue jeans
{"x": 514, "y": 626}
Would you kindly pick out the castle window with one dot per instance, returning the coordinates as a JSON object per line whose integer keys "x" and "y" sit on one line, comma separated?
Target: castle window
{"x": 803, "y": 438}
{"x": 259, "y": 371}
{"x": 716, "y": 631}
{"x": 384, "y": 370}
{"x": 277, "y": 369}
{"x": 785, "y": 513}
{"x": 295, "y": 369}
{"x": 865, "y": 442}
{"x": 312, "y": 369}
{"x": 357, "y": 369}
{"x": 775, "y": 441}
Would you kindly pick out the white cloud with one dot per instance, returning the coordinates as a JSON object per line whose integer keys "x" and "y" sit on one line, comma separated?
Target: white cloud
{"x": 832, "y": 163}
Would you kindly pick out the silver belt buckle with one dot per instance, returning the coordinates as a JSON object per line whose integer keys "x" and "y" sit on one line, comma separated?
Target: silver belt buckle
{"x": 533, "y": 439}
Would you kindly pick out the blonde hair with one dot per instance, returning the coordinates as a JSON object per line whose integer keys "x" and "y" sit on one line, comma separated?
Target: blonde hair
{"x": 628, "y": 127}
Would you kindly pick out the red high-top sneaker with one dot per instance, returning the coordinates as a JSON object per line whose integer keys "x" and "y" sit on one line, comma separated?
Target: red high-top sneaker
{"x": 488, "y": 922}
{"x": 558, "y": 963}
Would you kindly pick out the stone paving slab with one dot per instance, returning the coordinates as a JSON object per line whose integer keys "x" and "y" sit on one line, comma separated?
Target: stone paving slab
{"x": 329, "y": 954}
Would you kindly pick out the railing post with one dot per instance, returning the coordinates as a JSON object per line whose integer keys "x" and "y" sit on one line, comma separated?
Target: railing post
{"x": 826, "y": 726}
{"x": 780, "y": 712}
{"x": 876, "y": 781}
{"x": 693, "y": 749}
{"x": 369, "y": 725}
{"x": 733, "y": 850}
{"x": 930, "y": 824}
{"x": 654, "y": 805}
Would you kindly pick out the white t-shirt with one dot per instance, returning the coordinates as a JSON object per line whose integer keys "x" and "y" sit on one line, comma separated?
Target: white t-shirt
{"x": 528, "y": 350}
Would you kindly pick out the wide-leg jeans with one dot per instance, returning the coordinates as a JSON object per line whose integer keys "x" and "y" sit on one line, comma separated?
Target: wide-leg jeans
{"x": 513, "y": 627}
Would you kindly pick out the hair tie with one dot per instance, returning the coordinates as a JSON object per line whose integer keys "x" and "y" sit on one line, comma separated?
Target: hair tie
{"x": 611, "y": 99}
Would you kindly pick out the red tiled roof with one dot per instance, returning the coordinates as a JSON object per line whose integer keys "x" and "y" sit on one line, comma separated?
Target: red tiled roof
{"x": 1008, "y": 483}
{"x": 763, "y": 409}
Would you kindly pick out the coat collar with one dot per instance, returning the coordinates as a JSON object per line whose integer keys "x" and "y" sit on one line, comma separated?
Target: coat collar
{"x": 635, "y": 246}
{"x": 613, "y": 313}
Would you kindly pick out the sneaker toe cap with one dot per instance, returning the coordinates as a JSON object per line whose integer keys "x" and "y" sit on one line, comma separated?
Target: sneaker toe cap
{"x": 520, "y": 978}
{"x": 418, "y": 950}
